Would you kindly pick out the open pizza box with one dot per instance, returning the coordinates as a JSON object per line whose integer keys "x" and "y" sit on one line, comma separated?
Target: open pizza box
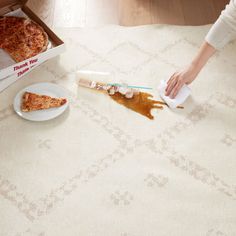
{"x": 10, "y": 71}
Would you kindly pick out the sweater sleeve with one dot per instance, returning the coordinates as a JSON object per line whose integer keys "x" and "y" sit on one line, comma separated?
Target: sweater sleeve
{"x": 224, "y": 29}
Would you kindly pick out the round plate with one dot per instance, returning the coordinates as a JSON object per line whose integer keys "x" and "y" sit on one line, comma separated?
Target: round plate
{"x": 49, "y": 89}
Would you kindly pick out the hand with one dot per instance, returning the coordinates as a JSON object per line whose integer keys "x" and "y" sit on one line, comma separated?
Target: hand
{"x": 189, "y": 73}
{"x": 179, "y": 78}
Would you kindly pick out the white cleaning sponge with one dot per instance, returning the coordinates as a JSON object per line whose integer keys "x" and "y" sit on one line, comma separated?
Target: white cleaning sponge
{"x": 180, "y": 97}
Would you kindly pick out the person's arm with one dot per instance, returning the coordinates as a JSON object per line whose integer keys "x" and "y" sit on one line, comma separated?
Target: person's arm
{"x": 190, "y": 72}
{"x": 224, "y": 29}
{"x": 222, "y": 32}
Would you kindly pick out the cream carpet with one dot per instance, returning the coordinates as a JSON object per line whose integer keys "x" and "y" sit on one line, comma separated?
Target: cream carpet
{"x": 103, "y": 170}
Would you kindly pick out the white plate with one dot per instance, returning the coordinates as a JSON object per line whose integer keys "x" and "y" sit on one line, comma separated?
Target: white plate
{"x": 49, "y": 89}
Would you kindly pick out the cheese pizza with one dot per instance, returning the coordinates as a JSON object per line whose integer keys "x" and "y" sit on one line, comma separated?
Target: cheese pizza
{"x": 21, "y": 38}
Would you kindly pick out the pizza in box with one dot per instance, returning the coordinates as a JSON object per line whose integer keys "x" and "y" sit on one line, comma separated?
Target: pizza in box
{"x": 21, "y": 38}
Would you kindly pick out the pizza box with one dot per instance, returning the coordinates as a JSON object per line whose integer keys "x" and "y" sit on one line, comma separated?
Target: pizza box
{"x": 6, "y": 82}
{"x": 11, "y": 71}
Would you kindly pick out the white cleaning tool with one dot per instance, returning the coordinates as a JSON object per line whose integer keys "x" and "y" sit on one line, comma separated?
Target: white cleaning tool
{"x": 180, "y": 97}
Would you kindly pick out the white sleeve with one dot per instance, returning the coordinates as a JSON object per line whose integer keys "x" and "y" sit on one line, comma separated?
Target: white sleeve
{"x": 224, "y": 29}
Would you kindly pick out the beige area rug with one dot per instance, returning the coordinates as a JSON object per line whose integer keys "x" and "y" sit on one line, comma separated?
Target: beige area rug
{"x": 103, "y": 170}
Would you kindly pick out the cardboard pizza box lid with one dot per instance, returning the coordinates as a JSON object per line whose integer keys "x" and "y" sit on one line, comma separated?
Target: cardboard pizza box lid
{"x": 10, "y": 5}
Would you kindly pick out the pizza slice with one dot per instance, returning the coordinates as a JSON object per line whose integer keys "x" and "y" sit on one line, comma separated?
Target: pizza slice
{"x": 16, "y": 47}
{"x": 13, "y": 24}
{"x": 34, "y": 102}
{"x": 37, "y": 39}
